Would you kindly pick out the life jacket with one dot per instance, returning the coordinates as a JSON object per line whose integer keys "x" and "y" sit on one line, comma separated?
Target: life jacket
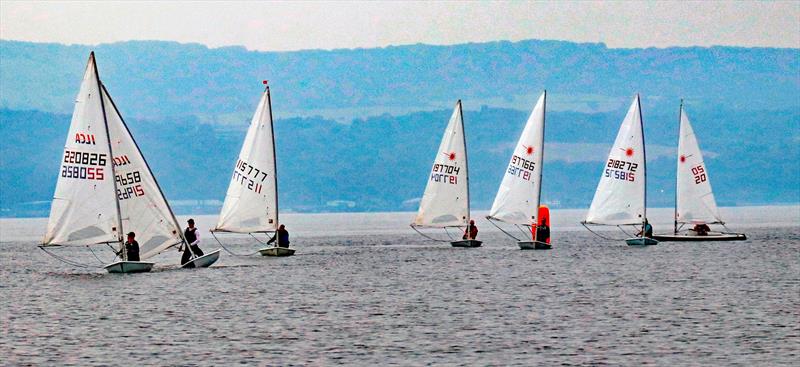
{"x": 189, "y": 234}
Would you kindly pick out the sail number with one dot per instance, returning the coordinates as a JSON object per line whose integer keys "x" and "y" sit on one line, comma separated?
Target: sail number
{"x": 87, "y": 159}
{"x": 445, "y": 173}
{"x": 699, "y": 174}
{"x": 521, "y": 167}
{"x": 621, "y": 170}
{"x": 128, "y": 185}
{"x": 249, "y": 176}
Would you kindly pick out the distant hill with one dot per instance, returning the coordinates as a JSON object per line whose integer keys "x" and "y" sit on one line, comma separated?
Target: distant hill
{"x": 158, "y": 80}
{"x": 381, "y": 163}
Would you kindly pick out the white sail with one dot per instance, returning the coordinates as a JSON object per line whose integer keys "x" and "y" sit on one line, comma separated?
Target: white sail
{"x": 620, "y": 196}
{"x": 84, "y": 209}
{"x": 445, "y": 202}
{"x": 517, "y": 200}
{"x": 144, "y": 209}
{"x": 695, "y": 199}
{"x": 251, "y": 204}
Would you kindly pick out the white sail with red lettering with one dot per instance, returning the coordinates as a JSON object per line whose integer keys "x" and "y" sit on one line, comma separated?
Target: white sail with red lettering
{"x": 695, "y": 199}
{"x": 620, "y": 196}
{"x": 445, "y": 202}
{"x": 251, "y": 204}
{"x": 517, "y": 200}
{"x": 84, "y": 209}
{"x": 143, "y": 207}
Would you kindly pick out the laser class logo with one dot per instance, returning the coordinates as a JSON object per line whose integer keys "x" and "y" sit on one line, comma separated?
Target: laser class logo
{"x": 528, "y": 149}
{"x": 628, "y": 151}
{"x": 450, "y": 155}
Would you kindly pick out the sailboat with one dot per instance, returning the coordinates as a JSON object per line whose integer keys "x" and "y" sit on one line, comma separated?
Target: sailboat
{"x": 694, "y": 198}
{"x": 106, "y": 187}
{"x": 251, "y": 203}
{"x": 445, "y": 202}
{"x": 517, "y": 199}
{"x": 621, "y": 196}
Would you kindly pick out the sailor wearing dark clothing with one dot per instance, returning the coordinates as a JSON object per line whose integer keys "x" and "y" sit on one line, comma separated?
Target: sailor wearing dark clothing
{"x": 471, "y": 232}
{"x": 282, "y": 235}
{"x": 543, "y": 232}
{"x": 647, "y": 230}
{"x": 193, "y": 240}
{"x": 131, "y": 248}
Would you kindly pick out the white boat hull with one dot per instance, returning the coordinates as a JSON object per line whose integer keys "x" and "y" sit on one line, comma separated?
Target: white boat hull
{"x": 276, "y": 251}
{"x": 203, "y": 261}
{"x": 712, "y": 236}
{"x": 466, "y": 243}
{"x": 641, "y": 241}
{"x": 129, "y": 267}
{"x": 533, "y": 245}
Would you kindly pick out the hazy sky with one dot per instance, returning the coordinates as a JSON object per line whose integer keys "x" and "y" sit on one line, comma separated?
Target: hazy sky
{"x": 349, "y": 24}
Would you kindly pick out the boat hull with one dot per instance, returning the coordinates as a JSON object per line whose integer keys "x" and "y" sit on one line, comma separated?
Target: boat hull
{"x": 129, "y": 267}
{"x": 276, "y": 251}
{"x": 203, "y": 261}
{"x": 466, "y": 243}
{"x": 641, "y": 241}
{"x": 533, "y": 245}
{"x": 695, "y": 238}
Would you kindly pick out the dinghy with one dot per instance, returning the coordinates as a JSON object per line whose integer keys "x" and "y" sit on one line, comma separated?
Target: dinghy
{"x": 445, "y": 203}
{"x": 517, "y": 199}
{"x": 621, "y": 195}
{"x": 106, "y": 187}
{"x": 251, "y": 203}
{"x": 694, "y": 199}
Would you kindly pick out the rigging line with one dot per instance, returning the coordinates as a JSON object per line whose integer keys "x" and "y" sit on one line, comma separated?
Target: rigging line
{"x": 95, "y": 255}
{"x": 70, "y": 262}
{"x": 524, "y": 233}
{"x": 426, "y": 236}
{"x": 448, "y": 234}
{"x": 599, "y": 235}
{"x": 228, "y": 250}
{"x": 503, "y": 230}
{"x": 257, "y": 240}
{"x": 626, "y": 233}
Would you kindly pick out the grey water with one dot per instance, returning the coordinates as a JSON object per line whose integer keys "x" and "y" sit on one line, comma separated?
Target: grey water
{"x": 364, "y": 289}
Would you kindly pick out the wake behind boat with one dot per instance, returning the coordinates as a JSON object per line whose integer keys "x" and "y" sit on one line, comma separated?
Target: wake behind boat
{"x": 445, "y": 203}
{"x": 694, "y": 199}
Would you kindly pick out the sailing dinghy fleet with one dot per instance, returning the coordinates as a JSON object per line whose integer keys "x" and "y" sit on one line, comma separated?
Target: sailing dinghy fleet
{"x": 106, "y": 188}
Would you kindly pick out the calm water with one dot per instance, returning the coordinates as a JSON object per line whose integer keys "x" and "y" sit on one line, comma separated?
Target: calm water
{"x": 365, "y": 289}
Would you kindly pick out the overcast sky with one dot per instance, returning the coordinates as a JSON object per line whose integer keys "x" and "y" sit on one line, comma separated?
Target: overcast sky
{"x": 350, "y": 24}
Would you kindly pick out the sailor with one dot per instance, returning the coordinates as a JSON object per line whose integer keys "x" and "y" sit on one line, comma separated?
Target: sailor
{"x": 471, "y": 232}
{"x": 131, "y": 248}
{"x": 701, "y": 229}
{"x": 282, "y": 235}
{"x": 543, "y": 231}
{"x": 193, "y": 240}
{"x": 647, "y": 230}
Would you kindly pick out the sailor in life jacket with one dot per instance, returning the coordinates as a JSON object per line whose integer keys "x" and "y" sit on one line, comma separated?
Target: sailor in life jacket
{"x": 471, "y": 232}
{"x": 282, "y": 235}
{"x": 193, "y": 240}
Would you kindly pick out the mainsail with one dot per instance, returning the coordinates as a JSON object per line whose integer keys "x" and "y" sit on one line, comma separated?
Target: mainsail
{"x": 445, "y": 202}
{"x": 694, "y": 199}
{"x": 84, "y": 209}
{"x": 517, "y": 200}
{"x": 143, "y": 207}
{"x": 251, "y": 204}
{"x": 620, "y": 196}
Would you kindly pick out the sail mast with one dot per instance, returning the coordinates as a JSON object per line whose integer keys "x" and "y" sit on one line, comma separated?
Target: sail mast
{"x": 466, "y": 159}
{"x": 644, "y": 160}
{"x": 111, "y": 155}
{"x": 146, "y": 165}
{"x": 274, "y": 156}
{"x": 675, "y": 216}
{"x": 541, "y": 167}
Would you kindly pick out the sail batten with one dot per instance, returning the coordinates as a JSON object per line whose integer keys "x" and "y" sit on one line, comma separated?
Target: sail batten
{"x": 517, "y": 199}
{"x": 695, "y": 202}
{"x": 620, "y": 195}
{"x": 445, "y": 202}
{"x": 251, "y": 202}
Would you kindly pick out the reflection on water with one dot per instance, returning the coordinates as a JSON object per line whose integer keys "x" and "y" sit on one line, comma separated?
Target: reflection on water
{"x": 365, "y": 289}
